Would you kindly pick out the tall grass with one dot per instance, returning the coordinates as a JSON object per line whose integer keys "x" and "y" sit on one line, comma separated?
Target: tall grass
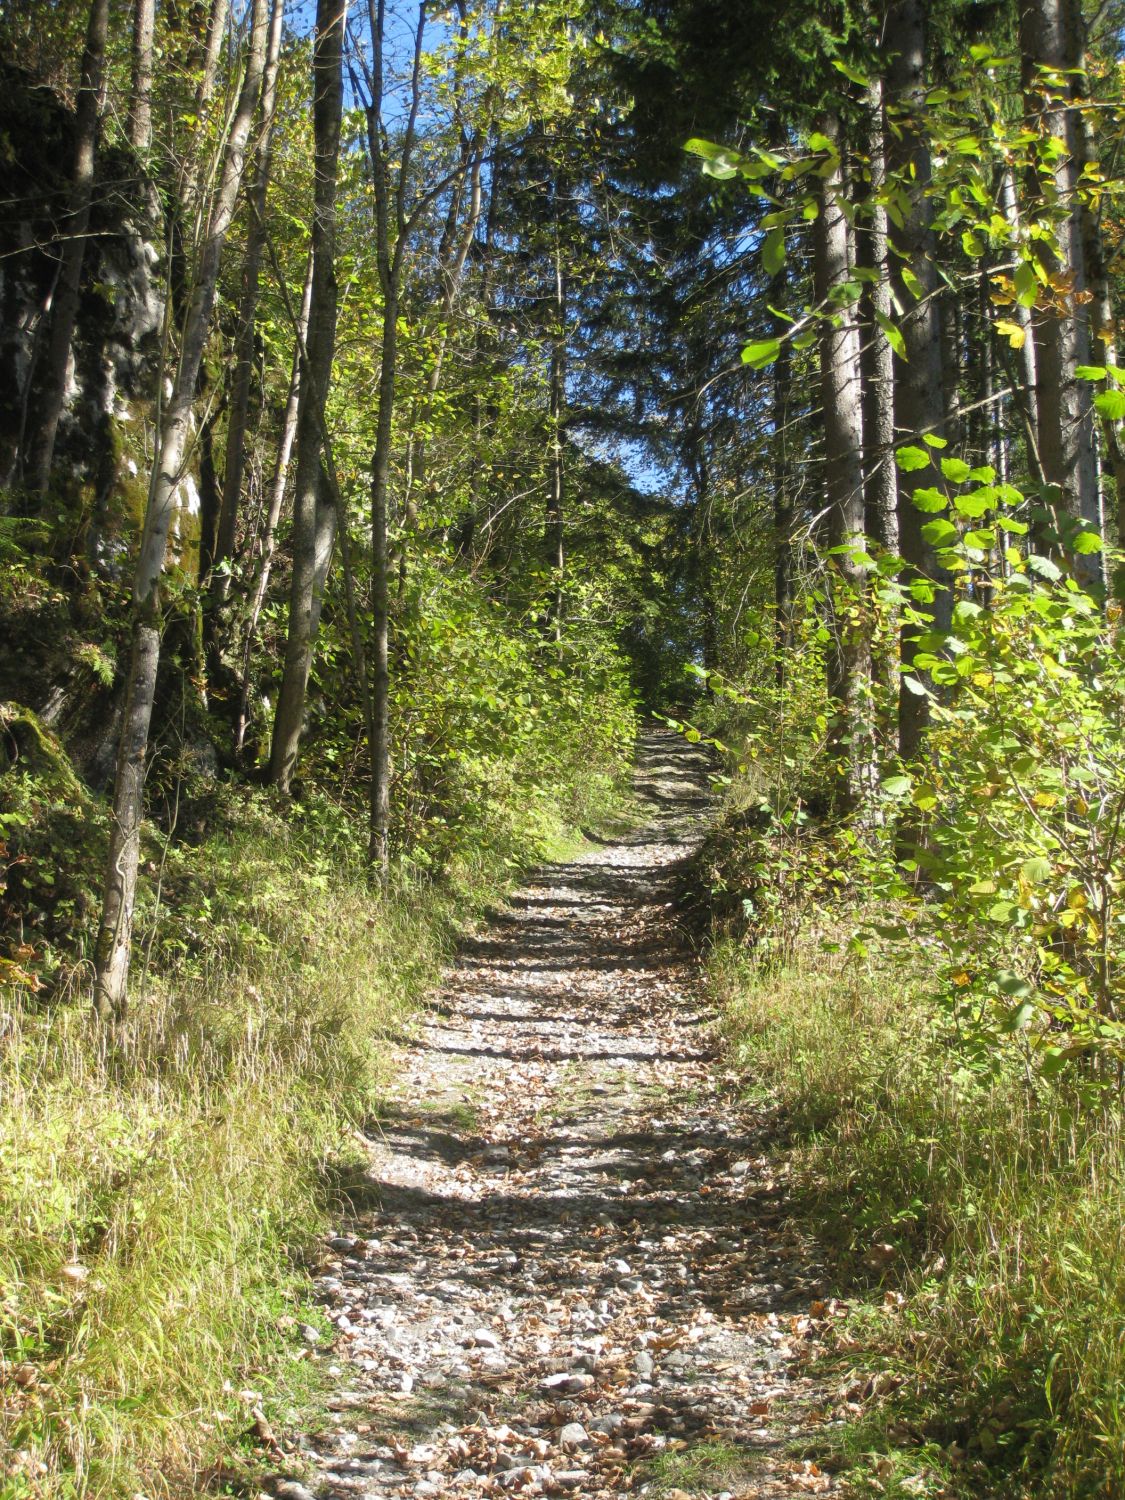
{"x": 156, "y": 1195}
{"x": 1002, "y": 1203}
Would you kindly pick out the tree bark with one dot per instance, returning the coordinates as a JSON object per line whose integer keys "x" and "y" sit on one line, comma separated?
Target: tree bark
{"x": 245, "y": 337}
{"x": 314, "y": 509}
{"x": 880, "y": 495}
{"x": 273, "y": 510}
{"x": 64, "y": 313}
{"x": 782, "y": 375}
{"x": 1052, "y": 37}
{"x": 555, "y": 529}
{"x": 919, "y": 404}
{"x": 841, "y": 393}
{"x": 114, "y": 941}
{"x": 391, "y": 233}
{"x": 139, "y": 124}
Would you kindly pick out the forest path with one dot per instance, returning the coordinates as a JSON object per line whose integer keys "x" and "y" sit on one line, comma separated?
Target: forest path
{"x": 573, "y": 1273}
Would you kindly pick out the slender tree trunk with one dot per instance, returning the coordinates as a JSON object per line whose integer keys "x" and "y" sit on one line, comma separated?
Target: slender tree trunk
{"x": 245, "y": 337}
{"x": 273, "y": 510}
{"x": 919, "y": 407}
{"x": 1025, "y": 396}
{"x": 880, "y": 492}
{"x": 555, "y": 530}
{"x": 139, "y": 124}
{"x": 314, "y": 510}
{"x": 451, "y": 258}
{"x": 1104, "y": 327}
{"x": 64, "y": 312}
{"x": 1052, "y": 36}
{"x": 113, "y": 949}
{"x": 841, "y": 400}
{"x": 379, "y": 847}
{"x": 782, "y": 487}
{"x": 392, "y": 225}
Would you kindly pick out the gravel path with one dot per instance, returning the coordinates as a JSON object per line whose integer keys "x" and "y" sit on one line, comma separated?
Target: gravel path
{"x": 574, "y": 1273}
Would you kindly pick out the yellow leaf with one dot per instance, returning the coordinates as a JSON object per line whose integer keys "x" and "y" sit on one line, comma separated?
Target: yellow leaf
{"x": 1044, "y": 799}
{"x": 1012, "y": 332}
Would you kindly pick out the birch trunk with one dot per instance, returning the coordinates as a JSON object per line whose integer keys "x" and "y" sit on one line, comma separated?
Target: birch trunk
{"x": 841, "y": 393}
{"x": 114, "y": 942}
{"x": 273, "y": 510}
{"x": 314, "y": 509}
{"x": 239, "y": 411}
{"x": 919, "y": 403}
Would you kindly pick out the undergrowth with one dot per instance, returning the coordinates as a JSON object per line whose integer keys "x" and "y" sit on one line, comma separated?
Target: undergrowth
{"x": 157, "y": 1195}
{"x": 976, "y": 1221}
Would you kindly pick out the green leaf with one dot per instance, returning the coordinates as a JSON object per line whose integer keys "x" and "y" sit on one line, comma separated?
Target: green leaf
{"x": 773, "y": 252}
{"x": 819, "y": 142}
{"x": 1044, "y": 567}
{"x": 912, "y": 284}
{"x": 763, "y": 353}
{"x": 708, "y": 150}
{"x": 897, "y": 786}
{"x": 852, "y": 74}
{"x": 929, "y": 500}
{"x": 1091, "y": 372}
{"x": 1111, "y": 405}
{"x": 940, "y": 533}
{"x": 1086, "y": 542}
{"x": 956, "y": 470}
{"x": 975, "y": 504}
{"x": 1027, "y": 286}
{"x": 893, "y": 333}
{"x": 1036, "y": 870}
{"x": 910, "y": 458}
{"x": 932, "y": 440}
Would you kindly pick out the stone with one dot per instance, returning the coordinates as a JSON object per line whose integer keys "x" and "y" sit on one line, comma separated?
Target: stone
{"x": 643, "y": 1364}
{"x": 481, "y": 1338}
{"x": 612, "y": 1422}
{"x": 566, "y": 1385}
{"x": 572, "y": 1436}
{"x": 290, "y": 1489}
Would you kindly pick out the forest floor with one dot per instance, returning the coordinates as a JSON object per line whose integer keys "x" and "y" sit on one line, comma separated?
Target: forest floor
{"x": 570, "y": 1268}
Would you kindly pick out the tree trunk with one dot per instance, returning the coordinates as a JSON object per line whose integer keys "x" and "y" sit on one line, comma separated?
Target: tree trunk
{"x": 452, "y": 257}
{"x": 139, "y": 124}
{"x": 877, "y": 368}
{"x": 392, "y": 226}
{"x": 64, "y": 313}
{"x": 273, "y": 510}
{"x": 245, "y": 338}
{"x": 113, "y": 949}
{"x": 1051, "y": 34}
{"x": 314, "y": 510}
{"x": 555, "y": 529}
{"x": 379, "y": 847}
{"x": 1025, "y": 397}
{"x": 919, "y": 406}
{"x": 841, "y": 391}
{"x": 782, "y": 485}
